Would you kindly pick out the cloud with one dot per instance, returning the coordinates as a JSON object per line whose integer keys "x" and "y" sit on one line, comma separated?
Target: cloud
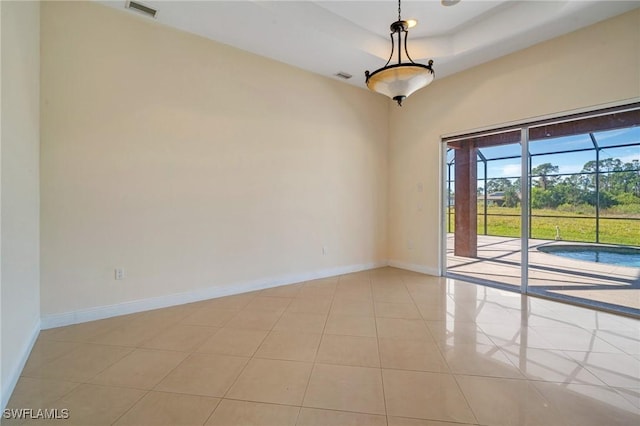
{"x": 570, "y": 168}
{"x": 629, "y": 158}
{"x": 624, "y": 134}
{"x": 511, "y": 170}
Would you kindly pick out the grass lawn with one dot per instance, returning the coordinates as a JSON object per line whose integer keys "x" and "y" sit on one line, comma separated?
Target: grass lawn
{"x": 572, "y": 226}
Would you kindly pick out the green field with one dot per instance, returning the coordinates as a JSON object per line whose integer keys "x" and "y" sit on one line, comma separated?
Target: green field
{"x": 573, "y": 226}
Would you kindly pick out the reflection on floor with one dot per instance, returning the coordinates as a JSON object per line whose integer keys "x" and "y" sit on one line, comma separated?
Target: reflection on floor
{"x": 381, "y": 347}
{"x": 499, "y": 261}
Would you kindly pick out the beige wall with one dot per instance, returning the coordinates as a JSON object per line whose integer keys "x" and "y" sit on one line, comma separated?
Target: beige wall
{"x": 19, "y": 201}
{"x": 193, "y": 165}
{"x": 596, "y": 65}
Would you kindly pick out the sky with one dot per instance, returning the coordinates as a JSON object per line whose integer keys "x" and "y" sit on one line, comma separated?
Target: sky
{"x": 566, "y": 162}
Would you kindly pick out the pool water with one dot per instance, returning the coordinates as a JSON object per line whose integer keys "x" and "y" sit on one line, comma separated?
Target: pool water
{"x": 623, "y": 256}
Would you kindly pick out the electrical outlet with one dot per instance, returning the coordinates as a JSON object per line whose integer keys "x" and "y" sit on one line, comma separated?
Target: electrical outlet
{"x": 119, "y": 274}
{"x": 325, "y": 250}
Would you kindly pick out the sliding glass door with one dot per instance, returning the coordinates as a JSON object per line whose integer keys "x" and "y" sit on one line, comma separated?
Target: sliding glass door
{"x": 483, "y": 217}
{"x": 567, "y": 190}
{"x": 584, "y": 233}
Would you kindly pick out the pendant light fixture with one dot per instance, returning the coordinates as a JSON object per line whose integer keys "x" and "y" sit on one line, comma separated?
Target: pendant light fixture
{"x": 400, "y": 80}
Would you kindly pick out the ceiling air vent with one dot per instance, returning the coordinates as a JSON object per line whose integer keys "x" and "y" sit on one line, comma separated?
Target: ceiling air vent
{"x": 344, "y": 75}
{"x": 139, "y": 7}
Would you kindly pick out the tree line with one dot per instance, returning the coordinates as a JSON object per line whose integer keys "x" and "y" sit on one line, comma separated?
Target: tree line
{"x": 617, "y": 183}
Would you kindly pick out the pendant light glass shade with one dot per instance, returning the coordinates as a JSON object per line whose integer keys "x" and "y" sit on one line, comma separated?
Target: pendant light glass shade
{"x": 402, "y": 79}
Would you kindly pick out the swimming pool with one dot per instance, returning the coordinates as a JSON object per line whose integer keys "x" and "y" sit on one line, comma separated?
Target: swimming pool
{"x": 623, "y": 256}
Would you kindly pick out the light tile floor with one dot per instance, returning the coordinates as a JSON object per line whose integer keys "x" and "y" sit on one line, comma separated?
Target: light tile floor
{"x": 381, "y": 347}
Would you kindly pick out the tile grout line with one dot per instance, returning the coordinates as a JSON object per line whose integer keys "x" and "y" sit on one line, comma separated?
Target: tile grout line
{"x": 190, "y": 355}
{"x": 245, "y": 365}
{"x": 131, "y": 407}
{"x": 313, "y": 363}
{"x": 440, "y": 350}
{"x": 384, "y": 395}
{"x": 153, "y": 388}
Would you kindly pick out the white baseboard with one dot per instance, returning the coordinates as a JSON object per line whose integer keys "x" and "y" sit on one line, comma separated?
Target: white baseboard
{"x": 108, "y": 311}
{"x": 415, "y": 268}
{"x": 9, "y": 385}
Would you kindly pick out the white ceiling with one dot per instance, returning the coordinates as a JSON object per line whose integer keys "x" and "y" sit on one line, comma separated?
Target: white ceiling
{"x": 326, "y": 37}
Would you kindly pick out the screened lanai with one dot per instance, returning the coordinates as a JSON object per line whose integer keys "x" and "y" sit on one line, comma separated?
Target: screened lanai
{"x": 582, "y": 188}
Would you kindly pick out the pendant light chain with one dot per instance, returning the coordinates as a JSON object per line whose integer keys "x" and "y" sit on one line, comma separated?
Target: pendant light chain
{"x": 399, "y": 32}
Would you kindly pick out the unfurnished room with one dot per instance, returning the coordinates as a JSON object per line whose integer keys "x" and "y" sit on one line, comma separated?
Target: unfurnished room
{"x": 317, "y": 213}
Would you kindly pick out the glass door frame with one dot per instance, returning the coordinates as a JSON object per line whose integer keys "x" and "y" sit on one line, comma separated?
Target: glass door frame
{"x": 524, "y": 210}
